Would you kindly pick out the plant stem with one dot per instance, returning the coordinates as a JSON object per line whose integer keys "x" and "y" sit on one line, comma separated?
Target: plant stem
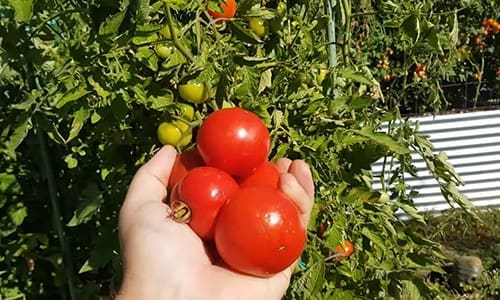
{"x": 49, "y": 174}
{"x": 175, "y": 40}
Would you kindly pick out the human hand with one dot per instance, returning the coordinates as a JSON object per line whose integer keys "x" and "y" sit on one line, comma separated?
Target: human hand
{"x": 164, "y": 259}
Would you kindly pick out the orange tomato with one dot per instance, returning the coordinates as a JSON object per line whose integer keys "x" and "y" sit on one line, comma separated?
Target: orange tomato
{"x": 228, "y": 10}
{"x": 347, "y": 249}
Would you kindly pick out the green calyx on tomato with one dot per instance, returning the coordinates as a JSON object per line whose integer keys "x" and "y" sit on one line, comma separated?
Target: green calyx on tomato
{"x": 163, "y": 51}
{"x": 193, "y": 92}
{"x": 258, "y": 26}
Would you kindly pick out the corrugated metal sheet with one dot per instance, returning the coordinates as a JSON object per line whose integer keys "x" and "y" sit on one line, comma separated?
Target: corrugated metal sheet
{"x": 472, "y": 143}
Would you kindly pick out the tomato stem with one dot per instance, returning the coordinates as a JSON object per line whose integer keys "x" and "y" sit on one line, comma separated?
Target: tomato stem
{"x": 175, "y": 40}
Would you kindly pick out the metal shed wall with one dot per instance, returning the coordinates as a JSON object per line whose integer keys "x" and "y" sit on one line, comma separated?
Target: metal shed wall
{"x": 472, "y": 143}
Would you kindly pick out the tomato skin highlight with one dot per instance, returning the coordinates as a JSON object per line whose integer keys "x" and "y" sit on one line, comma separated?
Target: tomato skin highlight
{"x": 204, "y": 190}
{"x": 184, "y": 162}
{"x": 228, "y": 10}
{"x": 259, "y": 232}
{"x": 233, "y": 140}
{"x": 266, "y": 174}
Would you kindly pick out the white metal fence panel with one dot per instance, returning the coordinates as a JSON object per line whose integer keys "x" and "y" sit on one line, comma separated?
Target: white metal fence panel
{"x": 472, "y": 143}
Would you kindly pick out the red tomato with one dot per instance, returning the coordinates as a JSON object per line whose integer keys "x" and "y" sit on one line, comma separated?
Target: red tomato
{"x": 184, "y": 162}
{"x": 345, "y": 250}
{"x": 228, "y": 10}
{"x": 259, "y": 232}
{"x": 233, "y": 140}
{"x": 204, "y": 190}
{"x": 265, "y": 175}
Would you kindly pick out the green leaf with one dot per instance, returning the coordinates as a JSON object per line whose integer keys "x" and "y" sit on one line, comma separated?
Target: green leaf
{"x": 411, "y": 27}
{"x": 410, "y": 291}
{"x": 384, "y": 140}
{"x": 111, "y": 25}
{"x": 72, "y": 95}
{"x": 91, "y": 200}
{"x": 360, "y": 102}
{"x": 18, "y": 214}
{"x": 411, "y": 211}
{"x": 80, "y": 117}
{"x": 148, "y": 58}
{"x": 71, "y": 161}
{"x": 315, "y": 277}
{"x": 143, "y": 10}
{"x": 21, "y": 130}
{"x": 454, "y": 30}
{"x": 357, "y": 77}
{"x": 373, "y": 236}
{"x": 265, "y": 80}
{"x": 23, "y": 10}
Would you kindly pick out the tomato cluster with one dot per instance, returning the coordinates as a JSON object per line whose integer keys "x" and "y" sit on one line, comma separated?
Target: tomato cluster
{"x": 227, "y": 191}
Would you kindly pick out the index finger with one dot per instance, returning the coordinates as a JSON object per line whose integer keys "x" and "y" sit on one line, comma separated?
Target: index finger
{"x": 150, "y": 181}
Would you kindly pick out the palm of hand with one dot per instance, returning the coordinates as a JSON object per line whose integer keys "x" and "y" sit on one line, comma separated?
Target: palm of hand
{"x": 166, "y": 259}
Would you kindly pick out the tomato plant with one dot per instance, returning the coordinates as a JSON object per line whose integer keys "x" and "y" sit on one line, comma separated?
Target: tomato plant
{"x": 259, "y": 231}
{"x": 234, "y": 140}
{"x": 204, "y": 190}
{"x": 184, "y": 162}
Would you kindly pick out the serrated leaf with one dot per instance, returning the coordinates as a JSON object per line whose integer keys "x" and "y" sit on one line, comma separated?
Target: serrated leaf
{"x": 315, "y": 277}
{"x": 23, "y": 10}
{"x": 111, "y": 25}
{"x": 72, "y": 95}
{"x": 79, "y": 119}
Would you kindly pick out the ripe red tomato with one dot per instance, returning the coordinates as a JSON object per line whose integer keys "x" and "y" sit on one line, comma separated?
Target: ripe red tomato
{"x": 233, "y": 140}
{"x": 228, "y": 10}
{"x": 259, "y": 232}
{"x": 265, "y": 175}
{"x": 184, "y": 162}
{"x": 345, "y": 250}
{"x": 204, "y": 190}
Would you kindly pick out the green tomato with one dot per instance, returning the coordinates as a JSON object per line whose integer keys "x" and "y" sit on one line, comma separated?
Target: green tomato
{"x": 169, "y": 134}
{"x": 186, "y": 131}
{"x": 163, "y": 51}
{"x": 281, "y": 10}
{"x": 193, "y": 92}
{"x": 165, "y": 31}
{"x": 258, "y": 26}
{"x": 187, "y": 111}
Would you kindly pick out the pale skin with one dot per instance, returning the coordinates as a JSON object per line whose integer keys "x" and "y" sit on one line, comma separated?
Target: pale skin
{"x": 164, "y": 259}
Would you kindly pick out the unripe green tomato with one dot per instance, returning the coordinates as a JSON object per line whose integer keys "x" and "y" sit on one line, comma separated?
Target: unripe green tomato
{"x": 169, "y": 134}
{"x": 186, "y": 132}
{"x": 163, "y": 51}
{"x": 193, "y": 92}
{"x": 187, "y": 111}
{"x": 258, "y": 26}
{"x": 165, "y": 31}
